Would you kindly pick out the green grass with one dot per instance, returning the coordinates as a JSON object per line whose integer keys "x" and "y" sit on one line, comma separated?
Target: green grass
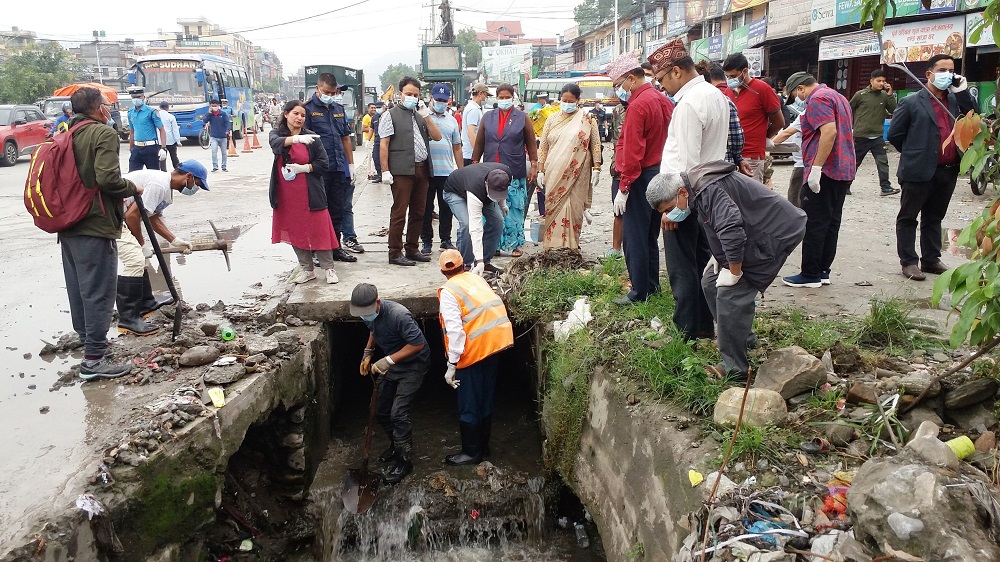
{"x": 754, "y": 444}
{"x": 676, "y": 370}
{"x": 547, "y": 292}
{"x": 887, "y": 324}
{"x": 792, "y": 326}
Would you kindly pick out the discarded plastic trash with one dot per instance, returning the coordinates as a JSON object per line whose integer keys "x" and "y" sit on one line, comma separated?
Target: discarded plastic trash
{"x": 582, "y": 540}
{"x": 963, "y": 446}
{"x": 224, "y": 361}
{"x": 227, "y": 333}
{"x": 575, "y": 321}
{"x": 89, "y": 505}
{"x": 695, "y": 477}
{"x": 246, "y": 545}
{"x": 218, "y": 396}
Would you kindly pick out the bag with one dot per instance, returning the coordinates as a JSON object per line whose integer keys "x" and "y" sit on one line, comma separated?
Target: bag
{"x": 54, "y": 194}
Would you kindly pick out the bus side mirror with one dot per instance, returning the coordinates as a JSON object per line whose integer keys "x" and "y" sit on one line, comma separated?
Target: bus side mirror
{"x": 131, "y": 78}
{"x": 200, "y": 76}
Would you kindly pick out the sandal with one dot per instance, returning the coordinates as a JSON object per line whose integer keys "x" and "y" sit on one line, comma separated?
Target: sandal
{"x": 816, "y": 446}
{"x": 516, "y": 253}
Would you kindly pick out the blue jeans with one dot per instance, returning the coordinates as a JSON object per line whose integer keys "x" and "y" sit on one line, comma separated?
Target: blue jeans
{"x": 220, "y": 145}
{"x": 492, "y": 228}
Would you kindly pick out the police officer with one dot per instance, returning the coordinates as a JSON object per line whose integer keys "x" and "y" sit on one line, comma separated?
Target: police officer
{"x": 377, "y": 176}
{"x": 146, "y": 136}
{"x": 326, "y": 117}
{"x": 400, "y": 372}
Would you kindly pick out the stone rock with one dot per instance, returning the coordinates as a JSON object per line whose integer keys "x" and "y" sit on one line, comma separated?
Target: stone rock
{"x": 763, "y": 407}
{"x": 288, "y": 341}
{"x": 846, "y": 358}
{"x": 930, "y": 451}
{"x": 293, "y": 321}
{"x": 260, "y": 344}
{"x": 861, "y": 393}
{"x": 953, "y": 529}
{"x": 209, "y": 328}
{"x": 827, "y": 360}
{"x": 293, "y": 440}
{"x": 839, "y": 433}
{"x": 941, "y": 357}
{"x": 972, "y": 392}
{"x": 275, "y": 328}
{"x": 916, "y": 382}
{"x": 790, "y": 371}
{"x": 297, "y": 460}
{"x": 199, "y": 355}
{"x": 977, "y": 417}
{"x": 256, "y": 359}
{"x": 298, "y": 415}
{"x": 911, "y": 420}
{"x": 986, "y": 442}
{"x": 224, "y": 375}
{"x": 219, "y": 306}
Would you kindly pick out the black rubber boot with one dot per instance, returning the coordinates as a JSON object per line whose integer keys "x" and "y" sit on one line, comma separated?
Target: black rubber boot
{"x": 484, "y": 435}
{"x": 388, "y": 454}
{"x": 471, "y": 443}
{"x": 129, "y": 300}
{"x": 150, "y": 303}
{"x": 403, "y": 465}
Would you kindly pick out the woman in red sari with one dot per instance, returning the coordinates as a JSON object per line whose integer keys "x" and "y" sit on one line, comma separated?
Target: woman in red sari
{"x": 298, "y": 196}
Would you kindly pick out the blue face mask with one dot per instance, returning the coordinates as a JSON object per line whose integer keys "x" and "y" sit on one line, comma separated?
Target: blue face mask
{"x": 440, "y": 106}
{"x": 799, "y": 105}
{"x": 111, "y": 123}
{"x": 370, "y": 317}
{"x": 942, "y": 80}
{"x": 379, "y": 111}
{"x": 326, "y": 99}
{"x": 505, "y": 104}
{"x": 622, "y": 94}
{"x": 190, "y": 190}
{"x": 338, "y": 98}
{"x": 677, "y": 215}
{"x": 409, "y": 102}
{"x": 137, "y": 102}
{"x": 568, "y": 107}
{"x": 734, "y": 83}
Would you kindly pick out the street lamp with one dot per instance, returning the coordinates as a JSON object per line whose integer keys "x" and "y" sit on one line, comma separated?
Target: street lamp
{"x": 97, "y": 51}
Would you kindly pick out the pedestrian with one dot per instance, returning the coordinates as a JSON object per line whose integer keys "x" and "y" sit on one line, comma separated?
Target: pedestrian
{"x": 614, "y": 135}
{"x": 637, "y": 159}
{"x": 793, "y": 134}
{"x": 135, "y": 294}
{"x": 366, "y": 124}
{"x": 400, "y": 371}
{"x": 751, "y": 230}
{"x": 325, "y": 114}
{"x": 405, "y": 137}
{"x": 698, "y": 133}
{"x": 173, "y": 131}
{"x": 600, "y": 117}
{"x": 89, "y": 247}
{"x": 61, "y": 124}
{"x": 476, "y": 329}
{"x": 647, "y": 75}
{"x": 927, "y": 170}
{"x": 146, "y": 136}
{"x": 505, "y": 135}
{"x": 220, "y": 129}
{"x": 541, "y": 100}
{"x": 759, "y": 111}
{"x": 570, "y": 157}
{"x": 446, "y": 157}
{"x": 376, "y": 176}
{"x": 275, "y": 112}
{"x": 828, "y": 168}
{"x": 480, "y": 217}
{"x": 297, "y": 194}
{"x": 228, "y": 110}
{"x": 871, "y": 107}
{"x": 471, "y": 117}
{"x": 713, "y": 74}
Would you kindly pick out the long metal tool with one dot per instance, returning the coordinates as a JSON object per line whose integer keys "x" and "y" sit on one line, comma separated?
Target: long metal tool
{"x": 178, "y": 305}
{"x": 360, "y": 487}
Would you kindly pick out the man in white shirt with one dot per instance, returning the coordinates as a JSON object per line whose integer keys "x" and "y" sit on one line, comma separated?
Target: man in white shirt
{"x": 698, "y": 132}
{"x": 471, "y": 117}
{"x": 472, "y": 193}
{"x": 173, "y": 132}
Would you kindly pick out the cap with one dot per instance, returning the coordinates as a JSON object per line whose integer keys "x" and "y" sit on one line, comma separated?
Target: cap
{"x": 451, "y": 260}
{"x": 66, "y": 105}
{"x": 134, "y": 91}
{"x": 164, "y": 104}
{"x": 441, "y": 92}
{"x": 497, "y": 182}
{"x": 480, "y": 88}
{"x": 796, "y": 80}
{"x": 622, "y": 66}
{"x": 196, "y": 169}
{"x": 665, "y": 57}
{"x": 364, "y": 299}
{"x": 542, "y": 95}
{"x": 380, "y": 104}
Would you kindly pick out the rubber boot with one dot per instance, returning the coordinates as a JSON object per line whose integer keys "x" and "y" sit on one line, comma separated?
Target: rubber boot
{"x": 485, "y": 428}
{"x": 471, "y": 442}
{"x": 129, "y": 301}
{"x": 388, "y": 454}
{"x": 403, "y": 465}
{"x": 150, "y": 303}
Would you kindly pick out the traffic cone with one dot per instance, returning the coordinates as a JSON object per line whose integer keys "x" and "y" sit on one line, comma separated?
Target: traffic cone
{"x": 246, "y": 141}
{"x": 256, "y": 143}
{"x": 232, "y": 149}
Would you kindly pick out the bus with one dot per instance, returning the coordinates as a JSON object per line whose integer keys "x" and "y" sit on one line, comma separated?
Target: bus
{"x": 351, "y": 81}
{"x": 594, "y": 88}
{"x": 189, "y": 83}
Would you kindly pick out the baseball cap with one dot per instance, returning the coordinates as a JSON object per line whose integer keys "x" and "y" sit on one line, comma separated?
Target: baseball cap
{"x": 497, "y": 182}
{"x": 441, "y": 92}
{"x": 364, "y": 299}
{"x": 796, "y": 80}
{"x": 451, "y": 260}
{"x": 196, "y": 169}
{"x": 164, "y": 105}
{"x": 480, "y": 88}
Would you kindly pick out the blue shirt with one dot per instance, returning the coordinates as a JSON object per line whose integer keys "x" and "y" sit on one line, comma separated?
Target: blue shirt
{"x": 395, "y": 327}
{"x": 63, "y": 118}
{"x": 144, "y": 121}
{"x": 330, "y": 123}
{"x": 442, "y": 151}
{"x": 219, "y": 124}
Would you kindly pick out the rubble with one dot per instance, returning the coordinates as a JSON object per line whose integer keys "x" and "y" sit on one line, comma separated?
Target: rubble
{"x": 259, "y": 344}
{"x": 972, "y": 392}
{"x": 763, "y": 407}
{"x": 199, "y": 355}
{"x": 790, "y": 371}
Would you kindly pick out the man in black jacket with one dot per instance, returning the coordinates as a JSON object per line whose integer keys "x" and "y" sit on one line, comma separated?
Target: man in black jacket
{"x": 927, "y": 174}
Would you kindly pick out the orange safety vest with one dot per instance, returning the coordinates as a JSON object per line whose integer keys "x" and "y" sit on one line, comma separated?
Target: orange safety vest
{"x": 484, "y": 318}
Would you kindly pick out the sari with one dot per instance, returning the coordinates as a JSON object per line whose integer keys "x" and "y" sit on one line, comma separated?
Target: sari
{"x": 570, "y": 149}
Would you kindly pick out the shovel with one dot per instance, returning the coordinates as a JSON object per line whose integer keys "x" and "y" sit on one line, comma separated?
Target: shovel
{"x": 178, "y": 305}
{"x": 360, "y": 485}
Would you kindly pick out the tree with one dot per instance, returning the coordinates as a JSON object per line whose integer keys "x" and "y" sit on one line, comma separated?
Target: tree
{"x": 394, "y": 73}
{"x": 35, "y": 72}
{"x": 591, "y": 14}
{"x": 471, "y": 49}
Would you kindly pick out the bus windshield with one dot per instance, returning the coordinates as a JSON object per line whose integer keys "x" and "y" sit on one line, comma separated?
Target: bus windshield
{"x": 176, "y": 79}
{"x": 598, "y": 90}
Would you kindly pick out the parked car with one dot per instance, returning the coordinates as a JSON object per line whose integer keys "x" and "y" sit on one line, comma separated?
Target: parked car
{"x": 52, "y": 108}
{"x": 22, "y": 128}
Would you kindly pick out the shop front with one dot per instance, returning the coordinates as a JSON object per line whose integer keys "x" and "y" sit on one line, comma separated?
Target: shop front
{"x": 982, "y": 66}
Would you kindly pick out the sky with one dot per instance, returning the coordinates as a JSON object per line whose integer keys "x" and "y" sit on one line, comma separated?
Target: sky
{"x": 367, "y": 34}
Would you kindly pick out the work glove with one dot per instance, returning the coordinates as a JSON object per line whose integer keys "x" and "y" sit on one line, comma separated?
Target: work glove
{"x": 297, "y": 168}
{"x": 769, "y": 144}
{"x": 422, "y": 110}
{"x": 387, "y": 177}
{"x": 181, "y": 243}
{"x": 962, "y": 84}
{"x": 540, "y": 179}
{"x": 479, "y": 268}
{"x": 381, "y": 366}
{"x": 449, "y": 377}
{"x": 163, "y": 154}
{"x": 147, "y": 250}
{"x": 504, "y": 209}
{"x": 620, "y": 201}
{"x": 595, "y": 178}
{"x": 304, "y": 139}
{"x": 366, "y": 363}
{"x": 727, "y": 279}
{"x": 814, "y": 174}
{"x": 588, "y": 216}
{"x": 713, "y": 264}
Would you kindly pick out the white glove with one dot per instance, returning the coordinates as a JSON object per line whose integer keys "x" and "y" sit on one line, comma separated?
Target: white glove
{"x": 354, "y": 180}
{"x": 350, "y": 167}
{"x": 727, "y": 279}
{"x": 147, "y": 250}
{"x": 304, "y": 139}
{"x": 422, "y": 110}
{"x": 479, "y": 268}
{"x": 620, "y": 201}
{"x": 814, "y": 174}
{"x": 449, "y": 377}
{"x": 504, "y": 209}
{"x": 387, "y": 177}
{"x": 713, "y": 264}
{"x": 588, "y": 216}
{"x": 381, "y": 366}
{"x": 297, "y": 168}
{"x": 769, "y": 144}
{"x": 181, "y": 243}
{"x": 595, "y": 178}
{"x": 163, "y": 154}
{"x": 962, "y": 85}
{"x": 540, "y": 179}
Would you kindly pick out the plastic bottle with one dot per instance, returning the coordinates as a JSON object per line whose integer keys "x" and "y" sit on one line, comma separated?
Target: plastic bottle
{"x": 536, "y": 226}
{"x": 582, "y": 540}
{"x": 227, "y": 333}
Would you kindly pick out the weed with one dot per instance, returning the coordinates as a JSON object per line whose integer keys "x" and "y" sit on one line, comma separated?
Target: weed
{"x": 676, "y": 370}
{"x": 754, "y": 444}
{"x": 637, "y": 552}
{"x": 887, "y": 323}
{"x": 550, "y": 291}
{"x": 791, "y": 326}
{"x": 568, "y": 365}
{"x": 825, "y": 401}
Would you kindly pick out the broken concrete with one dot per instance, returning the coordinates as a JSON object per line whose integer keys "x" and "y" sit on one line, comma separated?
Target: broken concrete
{"x": 790, "y": 371}
{"x": 763, "y": 407}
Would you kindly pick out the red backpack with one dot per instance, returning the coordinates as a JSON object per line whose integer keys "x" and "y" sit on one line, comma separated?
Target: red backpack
{"x": 54, "y": 194}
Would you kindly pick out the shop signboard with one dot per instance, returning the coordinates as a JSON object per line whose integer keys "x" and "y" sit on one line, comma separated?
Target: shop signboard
{"x": 919, "y": 41}
{"x": 699, "y": 50}
{"x": 938, "y": 6}
{"x": 849, "y": 11}
{"x": 985, "y": 94}
{"x": 970, "y": 5}
{"x": 715, "y": 46}
{"x": 755, "y": 58}
{"x": 736, "y": 40}
{"x": 694, "y": 12}
{"x": 756, "y": 32}
{"x": 786, "y": 18}
{"x": 676, "y": 22}
{"x": 715, "y": 8}
{"x": 503, "y": 64}
{"x": 738, "y": 5}
{"x": 985, "y": 37}
{"x": 848, "y": 46}
{"x": 824, "y": 15}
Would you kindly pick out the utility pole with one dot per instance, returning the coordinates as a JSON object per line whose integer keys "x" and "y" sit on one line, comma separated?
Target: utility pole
{"x": 97, "y": 51}
{"x": 617, "y": 50}
{"x": 643, "y": 30}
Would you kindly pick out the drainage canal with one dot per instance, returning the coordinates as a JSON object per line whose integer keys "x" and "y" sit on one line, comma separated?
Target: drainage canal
{"x": 282, "y": 488}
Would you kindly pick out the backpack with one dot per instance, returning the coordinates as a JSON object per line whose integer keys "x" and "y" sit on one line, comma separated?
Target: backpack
{"x": 54, "y": 194}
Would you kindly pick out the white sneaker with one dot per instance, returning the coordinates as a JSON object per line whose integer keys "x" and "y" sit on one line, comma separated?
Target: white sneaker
{"x": 304, "y": 276}
{"x": 331, "y": 276}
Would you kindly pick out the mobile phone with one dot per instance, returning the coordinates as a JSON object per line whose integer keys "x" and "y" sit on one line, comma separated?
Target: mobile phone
{"x": 956, "y": 80}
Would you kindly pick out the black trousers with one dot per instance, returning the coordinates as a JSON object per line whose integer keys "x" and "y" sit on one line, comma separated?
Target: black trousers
{"x": 172, "y": 151}
{"x": 435, "y": 190}
{"x": 823, "y": 213}
{"x": 144, "y": 157}
{"x": 640, "y": 235}
{"x": 90, "y": 266}
{"x": 396, "y": 391}
{"x": 336, "y": 184}
{"x": 863, "y": 146}
{"x": 687, "y": 252}
{"x": 377, "y": 158}
{"x": 930, "y": 201}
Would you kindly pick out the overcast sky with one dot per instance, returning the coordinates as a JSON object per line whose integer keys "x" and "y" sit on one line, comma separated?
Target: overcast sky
{"x": 361, "y": 33}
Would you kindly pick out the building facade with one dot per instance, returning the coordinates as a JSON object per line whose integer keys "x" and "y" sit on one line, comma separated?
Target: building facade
{"x": 200, "y": 35}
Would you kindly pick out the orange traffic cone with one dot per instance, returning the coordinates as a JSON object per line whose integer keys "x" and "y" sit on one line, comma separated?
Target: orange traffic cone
{"x": 256, "y": 143}
{"x": 246, "y": 141}
{"x": 232, "y": 149}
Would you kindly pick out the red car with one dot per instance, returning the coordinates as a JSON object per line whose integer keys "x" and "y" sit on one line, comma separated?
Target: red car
{"x": 22, "y": 128}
